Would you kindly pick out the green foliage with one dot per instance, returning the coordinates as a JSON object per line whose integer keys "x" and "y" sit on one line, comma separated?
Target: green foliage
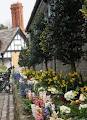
{"x": 61, "y": 37}
{"x": 24, "y": 58}
{"x": 68, "y": 30}
{"x": 84, "y": 8}
{"x": 45, "y": 41}
{"x": 36, "y": 55}
{"x": 60, "y": 81}
{"x": 48, "y": 79}
{"x": 27, "y": 105}
{"x": 29, "y": 73}
{"x": 2, "y": 68}
{"x": 84, "y": 11}
{"x": 46, "y": 44}
{"x": 3, "y": 27}
{"x": 76, "y": 114}
{"x": 40, "y": 47}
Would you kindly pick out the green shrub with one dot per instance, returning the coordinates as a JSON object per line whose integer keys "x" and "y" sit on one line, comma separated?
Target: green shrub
{"x": 27, "y": 105}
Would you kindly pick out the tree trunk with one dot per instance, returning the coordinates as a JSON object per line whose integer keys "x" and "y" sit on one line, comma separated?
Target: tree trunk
{"x": 46, "y": 64}
{"x": 28, "y": 67}
{"x": 34, "y": 67}
{"x": 2, "y": 58}
{"x": 81, "y": 79}
{"x": 73, "y": 67}
{"x": 55, "y": 65}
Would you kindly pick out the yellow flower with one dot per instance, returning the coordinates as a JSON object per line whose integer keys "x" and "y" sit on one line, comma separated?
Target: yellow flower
{"x": 50, "y": 79}
{"x": 84, "y": 89}
{"x": 55, "y": 78}
{"x": 77, "y": 101}
{"x": 63, "y": 81}
{"x": 49, "y": 82}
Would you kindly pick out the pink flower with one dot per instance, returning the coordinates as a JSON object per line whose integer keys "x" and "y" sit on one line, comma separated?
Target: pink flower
{"x": 39, "y": 117}
{"x": 41, "y": 103}
{"x": 38, "y": 102}
{"x": 39, "y": 113}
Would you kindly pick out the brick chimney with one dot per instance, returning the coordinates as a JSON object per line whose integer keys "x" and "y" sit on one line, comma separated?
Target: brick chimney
{"x": 17, "y": 15}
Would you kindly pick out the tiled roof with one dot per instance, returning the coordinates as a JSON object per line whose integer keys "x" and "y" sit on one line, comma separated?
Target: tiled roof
{"x": 6, "y": 37}
{"x": 36, "y": 6}
{"x": 33, "y": 13}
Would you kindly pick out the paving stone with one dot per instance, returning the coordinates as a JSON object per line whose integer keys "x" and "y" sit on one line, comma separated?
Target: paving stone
{"x": 6, "y": 106}
{"x": 4, "y": 110}
{"x": 1, "y": 103}
{"x": 11, "y": 108}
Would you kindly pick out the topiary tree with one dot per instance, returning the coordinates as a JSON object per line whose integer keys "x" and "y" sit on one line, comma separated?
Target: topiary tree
{"x": 68, "y": 30}
{"x": 36, "y": 55}
{"x": 84, "y": 11}
{"x": 46, "y": 45}
{"x": 24, "y": 58}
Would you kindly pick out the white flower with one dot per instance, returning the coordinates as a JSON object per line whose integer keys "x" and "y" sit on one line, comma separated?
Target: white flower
{"x": 53, "y": 90}
{"x": 53, "y": 107}
{"x": 29, "y": 82}
{"x": 7, "y": 87}
{"x": 35, "y": 82}
{"x": 70, "y": 95}
{"x": 47, "y": 104}
{"x": 32, "y": 79}
{"x": 54, "y": 116}
{"x": 65, "y": 109}
{"x": 82, "y": 106}
{"x": 41, "y": 89}
{"x": 82, "y": 97}
{"x": 33, "y": 108}
{"x": 60, "y": 119}
{"x": 41, "y": 70}
{"x": 25, "y": 77}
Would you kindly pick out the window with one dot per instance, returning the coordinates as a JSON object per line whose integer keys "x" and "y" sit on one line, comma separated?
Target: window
{"x": 7, "y": 55}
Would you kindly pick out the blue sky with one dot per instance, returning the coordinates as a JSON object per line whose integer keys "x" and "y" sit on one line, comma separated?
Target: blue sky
{"x": 5, "y": 12}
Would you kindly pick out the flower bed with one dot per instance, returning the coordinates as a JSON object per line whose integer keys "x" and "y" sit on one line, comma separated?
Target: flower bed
{"x": 56, "y": 97}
